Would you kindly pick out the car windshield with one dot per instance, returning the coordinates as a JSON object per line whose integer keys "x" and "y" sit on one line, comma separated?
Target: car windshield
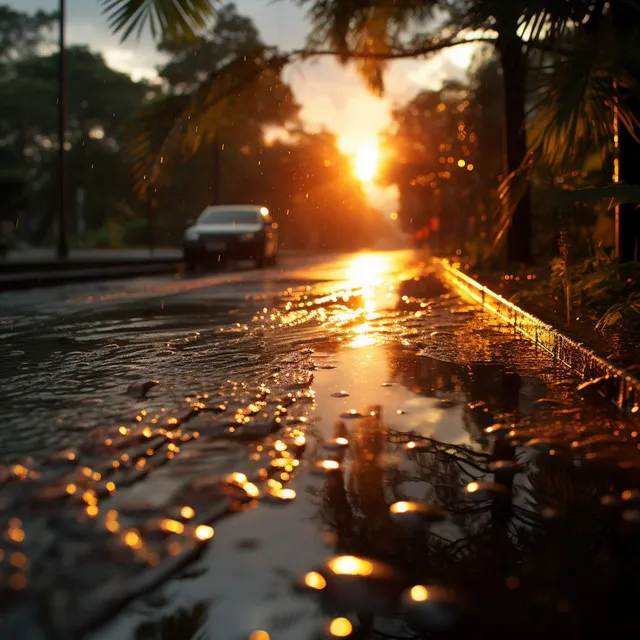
{"x": 228, "y": 217}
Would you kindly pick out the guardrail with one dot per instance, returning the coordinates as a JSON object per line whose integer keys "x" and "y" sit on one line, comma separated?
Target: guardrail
{"x": 614, "y": 383}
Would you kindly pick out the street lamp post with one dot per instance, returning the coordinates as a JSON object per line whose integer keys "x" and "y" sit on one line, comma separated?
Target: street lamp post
{"x": 63, "y": 245}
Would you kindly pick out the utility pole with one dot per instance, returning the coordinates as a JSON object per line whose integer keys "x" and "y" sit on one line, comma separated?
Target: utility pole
{"x": 63, "y": 245}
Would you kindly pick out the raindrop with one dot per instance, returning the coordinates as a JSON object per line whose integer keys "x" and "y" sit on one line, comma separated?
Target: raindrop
{"x": 358, "y": 585}
{"x": 336, "y": 444}
{"x": 401, "y": 412}
{"x": 326, "y": 466}
{"x": 352, "y": 413}
{"x": 340, "y": 394}
{"x": 432, "y": 608}
{"x": 481, "y": 491}
{"x": 631, "y": 497}
{"x": 386, "y": 384}
{"x": 518, "y": 436}
{"x": 339, "y": 628}
{"x": 446, "y": 403}
{"x": 505, "y": 467}
{"x": 419, "y": 445}
{"x": 498, "y": 430}
{"x": 416, "y": 514}
{"x": 283, "y": 496}
{"x": 546, "y": 445}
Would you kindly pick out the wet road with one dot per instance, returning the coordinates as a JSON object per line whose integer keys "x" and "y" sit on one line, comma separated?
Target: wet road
{"x": 185, "y": 457}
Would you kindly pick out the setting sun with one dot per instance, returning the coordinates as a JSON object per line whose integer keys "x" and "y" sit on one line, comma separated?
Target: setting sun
{"x": 366, "y": 161}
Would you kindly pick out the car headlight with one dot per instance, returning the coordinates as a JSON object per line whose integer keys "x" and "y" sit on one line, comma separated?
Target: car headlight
{"x": 191, "y": 234}
{"x": 247, "y": 236}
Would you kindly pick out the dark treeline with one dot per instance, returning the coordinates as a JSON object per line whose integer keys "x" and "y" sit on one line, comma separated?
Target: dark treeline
{"x": 301, "y": 176}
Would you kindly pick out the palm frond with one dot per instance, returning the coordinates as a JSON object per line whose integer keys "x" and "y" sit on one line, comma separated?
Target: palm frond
{"x": 576, "y": 107}
{"x": 510, "y": 193}
{"x": 166, "y": 18}
{"x": 357, "y": 28}
{"x": 179, "y": 124}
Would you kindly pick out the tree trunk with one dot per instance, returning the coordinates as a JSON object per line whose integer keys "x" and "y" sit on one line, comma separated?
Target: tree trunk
{"x": 514, "y": 68}
{"x": 626, "y": 19}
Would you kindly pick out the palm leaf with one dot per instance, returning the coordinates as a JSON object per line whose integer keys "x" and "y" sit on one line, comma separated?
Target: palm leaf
{"x": 357, "y": 28}
{"x": 167, "y": 18}
{"x": 618, "y": 193}
{"x": 179, "y": 124}
{"x": 513, "y": 188}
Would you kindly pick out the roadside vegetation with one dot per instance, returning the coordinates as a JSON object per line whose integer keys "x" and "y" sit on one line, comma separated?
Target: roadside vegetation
{"x": 527, "y": 170}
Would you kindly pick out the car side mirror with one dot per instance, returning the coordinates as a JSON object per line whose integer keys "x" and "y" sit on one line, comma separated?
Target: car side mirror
{"x": 190, "y": 222}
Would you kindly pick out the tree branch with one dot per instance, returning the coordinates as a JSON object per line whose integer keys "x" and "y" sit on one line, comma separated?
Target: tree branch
{"x": 391, "y": 55}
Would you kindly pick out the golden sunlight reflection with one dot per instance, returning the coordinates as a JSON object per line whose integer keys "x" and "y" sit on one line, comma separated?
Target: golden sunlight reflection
{"x": 366, "y": 273}
{"x": 366, "y": 161}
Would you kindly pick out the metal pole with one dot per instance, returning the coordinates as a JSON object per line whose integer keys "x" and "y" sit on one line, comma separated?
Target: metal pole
{"x": 63, "y": 245}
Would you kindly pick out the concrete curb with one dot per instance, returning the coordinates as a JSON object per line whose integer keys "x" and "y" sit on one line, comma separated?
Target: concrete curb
{"x": 46, "y": 275}
{"x": 616, "y": 384}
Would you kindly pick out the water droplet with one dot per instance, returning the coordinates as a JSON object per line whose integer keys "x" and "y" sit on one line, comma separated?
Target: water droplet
{"x": 326, "y": 466}
{"x": 416, "y": 514}
{"x": 432, "y": 608}
{"x": 498, "y": 430}
{"x": 356, "y": 585}
{"x": 505, "y": 467}
{"x": 481, "y": 491}
{"x": 336, "y": 444}
{"x": 419, "y": 445}
{"x": 546, "y": 445}
{"x": 339, "y": 628}
{"x": 631, "y": 497}
{"x": 352, "y": 413}
{"x": 340, "y": 394}
{"x": 446, "y": 403}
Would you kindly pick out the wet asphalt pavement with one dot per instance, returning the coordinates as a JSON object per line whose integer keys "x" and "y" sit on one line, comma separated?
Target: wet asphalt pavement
{"x": 332, "y": 448}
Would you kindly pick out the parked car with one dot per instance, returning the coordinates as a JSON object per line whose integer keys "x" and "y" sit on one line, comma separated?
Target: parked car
{"x": 241, "y": 232}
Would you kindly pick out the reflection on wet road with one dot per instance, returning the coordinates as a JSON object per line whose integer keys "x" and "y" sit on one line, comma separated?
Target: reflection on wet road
{"x": 332, "y": 449}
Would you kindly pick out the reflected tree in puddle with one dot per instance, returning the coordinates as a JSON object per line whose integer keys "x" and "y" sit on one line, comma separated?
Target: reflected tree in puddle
{"x": 528, "y": 548}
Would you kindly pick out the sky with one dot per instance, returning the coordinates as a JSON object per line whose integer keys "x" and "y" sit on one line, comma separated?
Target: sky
{"x": 331, "y": 96}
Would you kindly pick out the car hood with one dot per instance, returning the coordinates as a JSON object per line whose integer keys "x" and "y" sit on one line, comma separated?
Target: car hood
{"x": 231, "y": 229}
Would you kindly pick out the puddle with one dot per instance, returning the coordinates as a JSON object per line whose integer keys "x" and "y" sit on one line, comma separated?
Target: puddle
{"x": 336, "y": 421}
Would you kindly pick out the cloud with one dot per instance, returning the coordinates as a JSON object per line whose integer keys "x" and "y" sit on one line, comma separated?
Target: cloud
{"x": 332, "y": 96}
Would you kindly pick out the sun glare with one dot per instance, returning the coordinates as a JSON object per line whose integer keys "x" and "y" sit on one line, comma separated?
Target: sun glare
{"x": 366, "y": 161}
